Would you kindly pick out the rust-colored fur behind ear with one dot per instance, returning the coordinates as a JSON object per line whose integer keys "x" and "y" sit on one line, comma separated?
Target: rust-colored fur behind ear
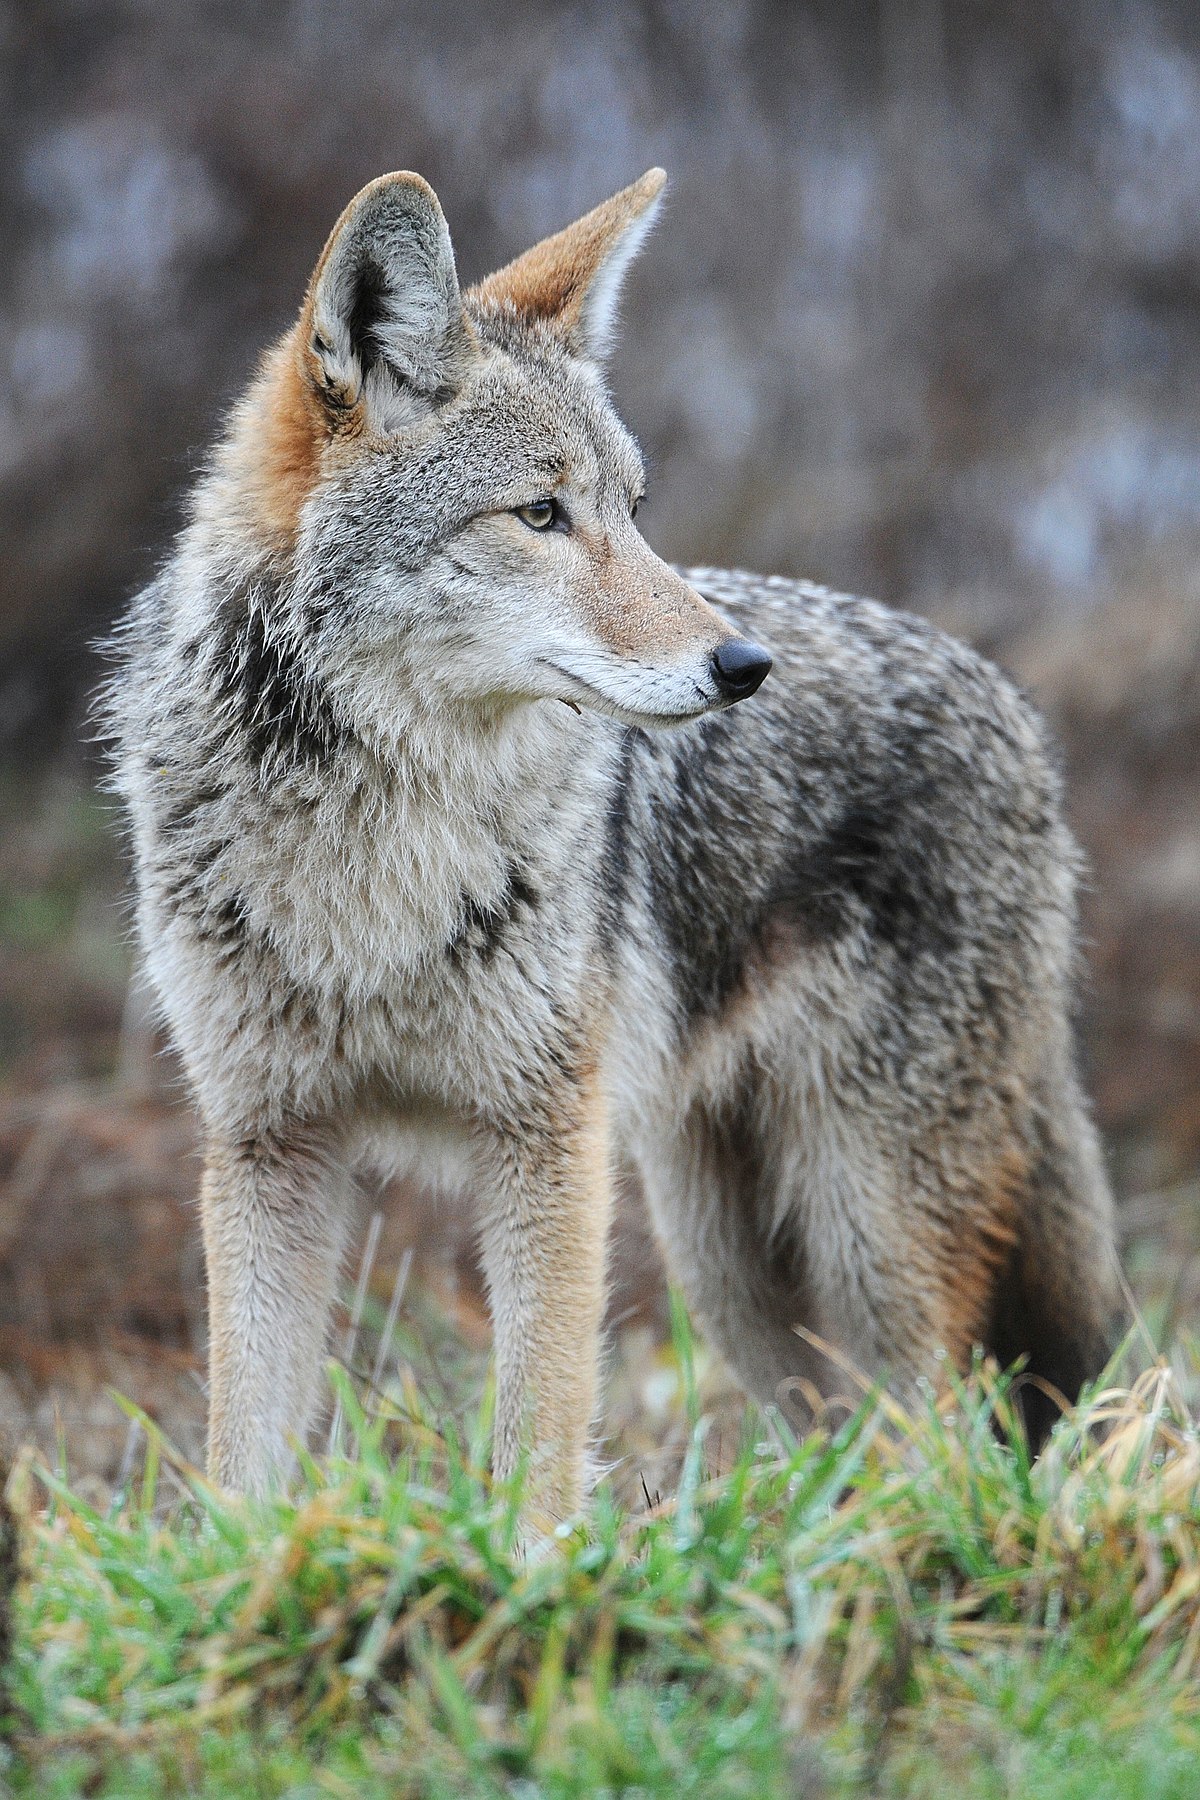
{"x": 311, "y": 387}
{"x": 570, "y": 280}
{"x": 273, "y": 452}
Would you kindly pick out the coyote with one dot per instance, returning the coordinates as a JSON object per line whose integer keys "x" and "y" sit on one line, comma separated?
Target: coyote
{"x": 423, "y": 874}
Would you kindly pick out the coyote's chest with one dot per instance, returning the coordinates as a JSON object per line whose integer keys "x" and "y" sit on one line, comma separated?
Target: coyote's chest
{"x": 394, "y": 948}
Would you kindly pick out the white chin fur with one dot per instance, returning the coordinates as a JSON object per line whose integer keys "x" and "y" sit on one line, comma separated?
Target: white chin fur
{"x": 633, "y": 693}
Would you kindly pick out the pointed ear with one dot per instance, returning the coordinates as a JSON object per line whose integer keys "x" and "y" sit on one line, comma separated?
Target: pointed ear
{"x": 382, "y": 328}
{"x": 572, "y": 281}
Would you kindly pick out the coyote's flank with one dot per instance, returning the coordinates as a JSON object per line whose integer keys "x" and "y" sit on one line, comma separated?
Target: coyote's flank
{"x": 452, "y": 846}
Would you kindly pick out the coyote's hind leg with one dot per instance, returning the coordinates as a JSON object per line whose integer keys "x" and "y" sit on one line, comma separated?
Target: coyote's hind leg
{"x": 274, "y": 1210}
{"x": 1059, "y": 1304}
{"x": 708, "y": 1190}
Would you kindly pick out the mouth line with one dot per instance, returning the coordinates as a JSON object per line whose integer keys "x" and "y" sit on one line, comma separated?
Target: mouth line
{"x": 614, "y": 707}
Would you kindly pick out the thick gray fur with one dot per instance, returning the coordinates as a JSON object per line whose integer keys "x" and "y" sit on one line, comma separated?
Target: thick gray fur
{"x": 812, "y": 957}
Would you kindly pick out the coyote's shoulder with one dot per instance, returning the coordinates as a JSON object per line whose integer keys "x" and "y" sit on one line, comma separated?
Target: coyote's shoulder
{"x": 889, "y": 789}
{"x": 418, "y": 858}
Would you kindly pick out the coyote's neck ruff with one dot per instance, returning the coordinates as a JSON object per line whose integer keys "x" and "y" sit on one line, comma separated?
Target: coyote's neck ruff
{"x": 417, "y": 861}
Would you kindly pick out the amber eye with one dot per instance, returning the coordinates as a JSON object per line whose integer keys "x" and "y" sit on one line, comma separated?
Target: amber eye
{"x": 539, "y": 515}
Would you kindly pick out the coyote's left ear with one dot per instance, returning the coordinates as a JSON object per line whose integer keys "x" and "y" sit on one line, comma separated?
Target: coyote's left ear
{"x": 572, "y": 281}
{"x": 382, "y": 333}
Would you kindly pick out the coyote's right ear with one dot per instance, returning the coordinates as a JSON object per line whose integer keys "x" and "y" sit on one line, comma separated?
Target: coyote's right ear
{"x": 382, "y": 328}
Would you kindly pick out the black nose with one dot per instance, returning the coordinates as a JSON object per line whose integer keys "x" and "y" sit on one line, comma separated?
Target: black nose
{"x": 740, "y": 667}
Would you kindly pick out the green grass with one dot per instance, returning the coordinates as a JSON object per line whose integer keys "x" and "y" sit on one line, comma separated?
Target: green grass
{"x": 905, "y": 1607}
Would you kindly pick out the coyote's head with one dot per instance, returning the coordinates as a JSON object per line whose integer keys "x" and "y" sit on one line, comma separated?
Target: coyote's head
{"x": 451, "y": 487}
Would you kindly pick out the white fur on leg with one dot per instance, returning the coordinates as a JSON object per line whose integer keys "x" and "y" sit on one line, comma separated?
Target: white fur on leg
{"x": 275, "y": 1221}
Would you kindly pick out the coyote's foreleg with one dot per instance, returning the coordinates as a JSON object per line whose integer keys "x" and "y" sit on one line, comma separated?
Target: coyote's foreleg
{"x": 274, "y": 1211}
{"x": 544, "y": 1231}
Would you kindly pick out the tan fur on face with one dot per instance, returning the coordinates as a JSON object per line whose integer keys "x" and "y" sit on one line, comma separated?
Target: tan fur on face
{"x": 640, "y": 607}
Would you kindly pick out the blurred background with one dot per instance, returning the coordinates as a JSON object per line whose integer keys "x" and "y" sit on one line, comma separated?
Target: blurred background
{"x": 922, "y": 320}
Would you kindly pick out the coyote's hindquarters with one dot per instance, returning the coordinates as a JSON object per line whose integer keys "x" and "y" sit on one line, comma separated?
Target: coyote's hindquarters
{"x": 779, "y": 1268}
{"x": 417, "y": 862}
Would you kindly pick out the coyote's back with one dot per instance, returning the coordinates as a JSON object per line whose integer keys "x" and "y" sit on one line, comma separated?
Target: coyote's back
{"x": 418, "y": 862}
